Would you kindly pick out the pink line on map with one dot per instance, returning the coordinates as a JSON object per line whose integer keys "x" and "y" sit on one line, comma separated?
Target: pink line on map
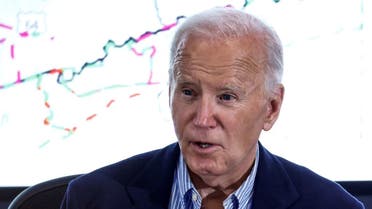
{"x": 167, "y": 27}
{"x": 153, "y": 51}
{"x": 2, "y": 25}
{"x": 136, "y": 52}
{"x": 144, "y": 36}
{"x": 18, "y": 77}
{"x": 12, "y": 51}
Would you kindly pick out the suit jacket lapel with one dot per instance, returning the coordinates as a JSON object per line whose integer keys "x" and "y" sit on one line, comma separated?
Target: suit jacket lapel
{"x": 273, "y": 188}
{"x": 152, "y": 187}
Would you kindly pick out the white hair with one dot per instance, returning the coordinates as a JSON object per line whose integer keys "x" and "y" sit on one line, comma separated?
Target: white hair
{"x": 228, "y": 23}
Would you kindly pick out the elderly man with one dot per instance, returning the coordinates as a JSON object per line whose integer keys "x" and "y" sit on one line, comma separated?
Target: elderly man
{"x": 225, "y": 88}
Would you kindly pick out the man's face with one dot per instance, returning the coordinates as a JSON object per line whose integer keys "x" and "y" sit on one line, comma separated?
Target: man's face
{"x": 219, "y": 107}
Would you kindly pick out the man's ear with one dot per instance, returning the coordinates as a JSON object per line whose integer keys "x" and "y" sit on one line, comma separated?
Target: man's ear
{"x": 273, "y": 107}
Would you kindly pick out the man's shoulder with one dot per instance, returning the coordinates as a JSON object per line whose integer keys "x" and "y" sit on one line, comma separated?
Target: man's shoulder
{"x": 301, "y": 176}
{"x": 124, "y": 171}
{"x": 312, "y": 187}
{"x": 114, "y": 185}
{"x": 307, "y": 179}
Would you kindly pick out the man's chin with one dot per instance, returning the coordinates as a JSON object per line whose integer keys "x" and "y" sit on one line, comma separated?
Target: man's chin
{"x": 204, "y": 167}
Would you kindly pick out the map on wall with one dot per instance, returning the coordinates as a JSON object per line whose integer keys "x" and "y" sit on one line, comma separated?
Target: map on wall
{"x": 85, "y": 83}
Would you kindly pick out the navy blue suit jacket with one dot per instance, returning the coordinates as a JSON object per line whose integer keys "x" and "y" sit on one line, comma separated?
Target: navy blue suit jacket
{"x": 145, "y": 181}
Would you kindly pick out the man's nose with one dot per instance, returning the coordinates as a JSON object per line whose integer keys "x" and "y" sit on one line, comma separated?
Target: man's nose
{"x": 205, "y": 113}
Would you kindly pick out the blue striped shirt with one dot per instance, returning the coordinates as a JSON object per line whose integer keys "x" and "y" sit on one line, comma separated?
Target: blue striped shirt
{"x": 185, "y": 196}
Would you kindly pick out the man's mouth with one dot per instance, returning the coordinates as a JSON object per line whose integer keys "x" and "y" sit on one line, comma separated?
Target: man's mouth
{"x": 203, "y": 145}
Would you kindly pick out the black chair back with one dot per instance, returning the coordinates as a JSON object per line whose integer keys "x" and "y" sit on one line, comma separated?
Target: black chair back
{"x": 45, "y": 195}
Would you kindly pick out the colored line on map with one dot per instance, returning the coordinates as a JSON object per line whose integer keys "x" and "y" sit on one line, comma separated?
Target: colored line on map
{"x": 91, "y": 116}
{"x": 12, "y": 51}
{"x": 19, "y": 80}
{"x": 110, "y": 103}
{"x": 112, "y": 44}
{"x": 109, "y": 44}
{"x": 3, "y": 25}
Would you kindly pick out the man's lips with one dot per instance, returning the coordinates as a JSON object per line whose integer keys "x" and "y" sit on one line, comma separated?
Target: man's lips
{"x": 202, "y": 144}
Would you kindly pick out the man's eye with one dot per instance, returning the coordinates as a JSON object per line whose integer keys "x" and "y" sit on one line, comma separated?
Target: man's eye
{"x": 187, "y": 92}
{"x": 226, "y": 97}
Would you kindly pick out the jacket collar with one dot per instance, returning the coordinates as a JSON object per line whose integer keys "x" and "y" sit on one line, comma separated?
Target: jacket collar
{"x": 273, "y": 187}
{"x": 151, "y": 189}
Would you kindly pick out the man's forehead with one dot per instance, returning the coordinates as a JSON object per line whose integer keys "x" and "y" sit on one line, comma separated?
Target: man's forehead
{"x": 242, "y": 47}
{"x": 233, "y": 58}
{"x": 228, "y": 78}
{"x": 229, "y": 66}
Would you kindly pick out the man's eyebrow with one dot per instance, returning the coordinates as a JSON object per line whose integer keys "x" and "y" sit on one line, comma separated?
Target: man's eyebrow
{"x": 182, "y": 80}
{"x": 239, "y": 88}
{"x": 186, "y": 83}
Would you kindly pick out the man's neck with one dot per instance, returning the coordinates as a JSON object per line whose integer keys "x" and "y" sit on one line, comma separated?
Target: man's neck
{"x": 204, "y": 189}
{"x": 213, "y": 197}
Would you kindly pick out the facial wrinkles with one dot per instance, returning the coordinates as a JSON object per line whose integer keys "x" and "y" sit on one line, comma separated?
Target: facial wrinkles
{"x": 247, "y": 63}
{"x": 239, "y": 72}
{"x": 242, "y": 70}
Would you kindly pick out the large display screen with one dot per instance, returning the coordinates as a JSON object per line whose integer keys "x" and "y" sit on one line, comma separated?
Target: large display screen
{"x": 85, "y": 83}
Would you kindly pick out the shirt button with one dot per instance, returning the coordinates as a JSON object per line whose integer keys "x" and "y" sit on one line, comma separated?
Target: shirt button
{"x": 194, "y": 197}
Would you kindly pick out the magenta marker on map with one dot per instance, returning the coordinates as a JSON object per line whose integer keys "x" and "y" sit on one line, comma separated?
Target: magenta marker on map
{"x": 2, "y": 40}
{"x": 18, "y": 77}
{"x": 24, "y": 34}
{"x": 12, "y": 51}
